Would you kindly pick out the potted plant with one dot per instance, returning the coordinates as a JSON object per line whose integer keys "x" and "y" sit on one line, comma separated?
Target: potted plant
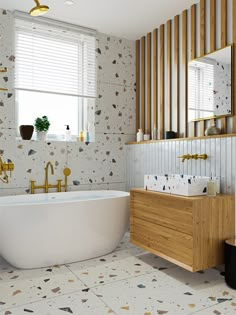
{"x": 26, "y": 131}
{"x": 41, "y": 125}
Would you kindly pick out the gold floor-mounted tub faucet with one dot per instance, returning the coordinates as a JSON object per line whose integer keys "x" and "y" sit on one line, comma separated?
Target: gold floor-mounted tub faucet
{"x": 46, "y": 185}
{"x": 193, "y": 156}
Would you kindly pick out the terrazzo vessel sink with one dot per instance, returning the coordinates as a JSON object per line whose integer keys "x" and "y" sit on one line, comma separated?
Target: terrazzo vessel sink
{"x": 179, "y": 184}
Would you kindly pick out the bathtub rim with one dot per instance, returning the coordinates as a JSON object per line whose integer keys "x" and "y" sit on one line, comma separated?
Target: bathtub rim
{"x": 28, "y": 199}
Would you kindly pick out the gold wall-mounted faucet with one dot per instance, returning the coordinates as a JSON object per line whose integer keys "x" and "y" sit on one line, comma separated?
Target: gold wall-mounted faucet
{"x": 48, "y": 186}
{"x": 4, "y": 168}
{"x": 193, "y": 156}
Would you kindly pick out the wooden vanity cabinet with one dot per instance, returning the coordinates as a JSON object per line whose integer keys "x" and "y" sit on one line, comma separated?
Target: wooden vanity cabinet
{"x": 188, "y": 231}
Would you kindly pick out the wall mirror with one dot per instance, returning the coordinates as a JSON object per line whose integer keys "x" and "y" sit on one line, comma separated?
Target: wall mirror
{"x": 209, "y": 85}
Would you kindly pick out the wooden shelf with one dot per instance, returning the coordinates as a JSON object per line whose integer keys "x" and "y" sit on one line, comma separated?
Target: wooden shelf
{"x": 184, "y": 139}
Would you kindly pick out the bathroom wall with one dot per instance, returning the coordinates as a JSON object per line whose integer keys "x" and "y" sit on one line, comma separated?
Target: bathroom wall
{"x": 99, "y": 165}
{"x": 162, "y": 158}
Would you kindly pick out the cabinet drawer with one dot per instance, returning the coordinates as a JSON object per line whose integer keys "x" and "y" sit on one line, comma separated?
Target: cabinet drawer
{"x": 163, "y": 210}
{"x": 167, "y": 243}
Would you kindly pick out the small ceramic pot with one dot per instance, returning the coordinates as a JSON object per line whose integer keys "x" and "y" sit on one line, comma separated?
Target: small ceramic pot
{"x": 26, "y": 131}
{"x": 41, "y": 135}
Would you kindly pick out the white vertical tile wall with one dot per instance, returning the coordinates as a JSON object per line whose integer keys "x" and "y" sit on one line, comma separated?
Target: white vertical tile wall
{"x": 162, "y": 158}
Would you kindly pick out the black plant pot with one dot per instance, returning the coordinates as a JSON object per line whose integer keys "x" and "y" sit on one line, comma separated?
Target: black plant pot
{"x": 26, "y": 131}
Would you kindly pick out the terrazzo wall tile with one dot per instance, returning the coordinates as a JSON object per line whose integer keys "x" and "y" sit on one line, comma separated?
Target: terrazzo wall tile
{"x": 94, "y": 166}
{"x": 7, "y": 110}
{"x": 114, "y": 109}
{"x": 115, "y": 60}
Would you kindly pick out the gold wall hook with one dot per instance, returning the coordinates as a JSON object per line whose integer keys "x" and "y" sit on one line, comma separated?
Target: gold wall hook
{"x": 4, "y": 168}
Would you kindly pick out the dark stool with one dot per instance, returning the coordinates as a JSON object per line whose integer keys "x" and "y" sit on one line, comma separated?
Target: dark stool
{"x": 230, "y": 263}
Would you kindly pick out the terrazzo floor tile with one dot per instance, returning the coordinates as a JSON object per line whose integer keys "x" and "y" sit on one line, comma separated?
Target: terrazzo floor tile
{"x": 125, "y": 243}
{"x": 226, "y": 308}
{"x": 18, "y": 287}
{"x": 196, "y": 280}
{"x": 79, "y": 303}
{"x": 154, "y": 293}
{"x": 98, "y": 261}
{"x": 114, "y": 271}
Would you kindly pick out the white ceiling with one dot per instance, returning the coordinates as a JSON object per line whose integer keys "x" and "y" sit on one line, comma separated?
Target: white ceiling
{"x": 129, "y": 19}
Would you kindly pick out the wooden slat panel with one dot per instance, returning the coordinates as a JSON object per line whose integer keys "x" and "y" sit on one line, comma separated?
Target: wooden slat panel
{"x": 234, "y": 65}
{"x": 223, "y": 125}
{"x": 148, "y": 110}
{"x": 169, "y": 77}
{"x": 202, "y": 128}
{"x": 212, "y": 25}
{"x": 137, "y": 84}
{"x": 193, "y": 129}
{"x": 176, "y": 58}
{"x": 223, "y": 23}
{"x": 193, "y": 31}
{"x": 185, "y": 69}
{"x": 143, "y": 82}
{"x": 202, "y": 27}
{"x": 162, "y": 78}
{"x": 155, "y": 78}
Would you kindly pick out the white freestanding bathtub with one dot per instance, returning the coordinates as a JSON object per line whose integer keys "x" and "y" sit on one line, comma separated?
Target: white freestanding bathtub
{"x": 57, "y": 228}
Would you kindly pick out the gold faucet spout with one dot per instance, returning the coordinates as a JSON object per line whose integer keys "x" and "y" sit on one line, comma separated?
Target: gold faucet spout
{"x": 46, "y": 175}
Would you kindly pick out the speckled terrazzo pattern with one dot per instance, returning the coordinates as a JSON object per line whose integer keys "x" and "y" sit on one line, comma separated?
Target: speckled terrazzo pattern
{"x": 127, "y": 281}
{"x": 99, "y": 165}
{"x": 222, "y": 88}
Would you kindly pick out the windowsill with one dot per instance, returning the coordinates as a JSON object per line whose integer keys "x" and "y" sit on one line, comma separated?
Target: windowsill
{"x": 53, "y": 138}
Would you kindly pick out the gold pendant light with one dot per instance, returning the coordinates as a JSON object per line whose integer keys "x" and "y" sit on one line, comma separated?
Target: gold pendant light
{"x": 38, "y": 9}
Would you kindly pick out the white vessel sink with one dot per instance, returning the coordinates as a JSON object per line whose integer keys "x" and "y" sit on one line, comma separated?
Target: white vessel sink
{"x": 178, "y": 184}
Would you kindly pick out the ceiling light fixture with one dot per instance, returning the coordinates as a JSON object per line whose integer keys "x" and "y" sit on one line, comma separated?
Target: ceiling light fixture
{"x": 38, "y": 9}
{"x": 69, "y": 2}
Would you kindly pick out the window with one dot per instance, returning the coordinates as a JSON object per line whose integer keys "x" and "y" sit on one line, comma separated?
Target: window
{"x": 55, "y": 74}
{"x": 201, "y": 90}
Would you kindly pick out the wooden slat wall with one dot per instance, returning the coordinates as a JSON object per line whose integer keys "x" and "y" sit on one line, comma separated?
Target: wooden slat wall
{"x": 185, "y": 70}
{"x": 143, "y": 82}
{"x": 193, "y": 31}
{"x": 149, "y": 83}
{"x": 212, "y": 25}
{"x": 176, "y": 65}
{"x": 202, "y": 27}
{"x": 169, "y": 81}
{"x": 169, "y": 96}
{"x": 162, "y": 78}
{"x": 155, "y": 77}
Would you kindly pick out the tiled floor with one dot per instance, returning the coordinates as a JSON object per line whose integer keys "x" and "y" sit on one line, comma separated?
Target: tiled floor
{"x": 127, "y": 281}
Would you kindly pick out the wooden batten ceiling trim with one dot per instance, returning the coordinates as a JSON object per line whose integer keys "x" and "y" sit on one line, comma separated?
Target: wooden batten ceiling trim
{"x": 223, "y": 23}
{"x": 155, "y": 77}
{"x": 137, "y": 84}
{"x": 193, "y": 31}
{"x": 149, "y": 79}
{"x": 143, "y": 81}
{"x": 202, "y": 27}
{"x": 212, "y": 25}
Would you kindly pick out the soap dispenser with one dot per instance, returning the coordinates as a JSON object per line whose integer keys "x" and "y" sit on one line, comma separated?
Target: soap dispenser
{"x": 67, "y": 133}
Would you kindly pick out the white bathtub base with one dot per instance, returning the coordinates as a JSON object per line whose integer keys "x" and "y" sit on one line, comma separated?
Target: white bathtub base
{"x": 59, "y": 228}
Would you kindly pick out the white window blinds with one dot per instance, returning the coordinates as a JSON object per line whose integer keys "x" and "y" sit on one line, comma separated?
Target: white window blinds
{"x": 54, "y": 57}
{"x": 201, "y": 89}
